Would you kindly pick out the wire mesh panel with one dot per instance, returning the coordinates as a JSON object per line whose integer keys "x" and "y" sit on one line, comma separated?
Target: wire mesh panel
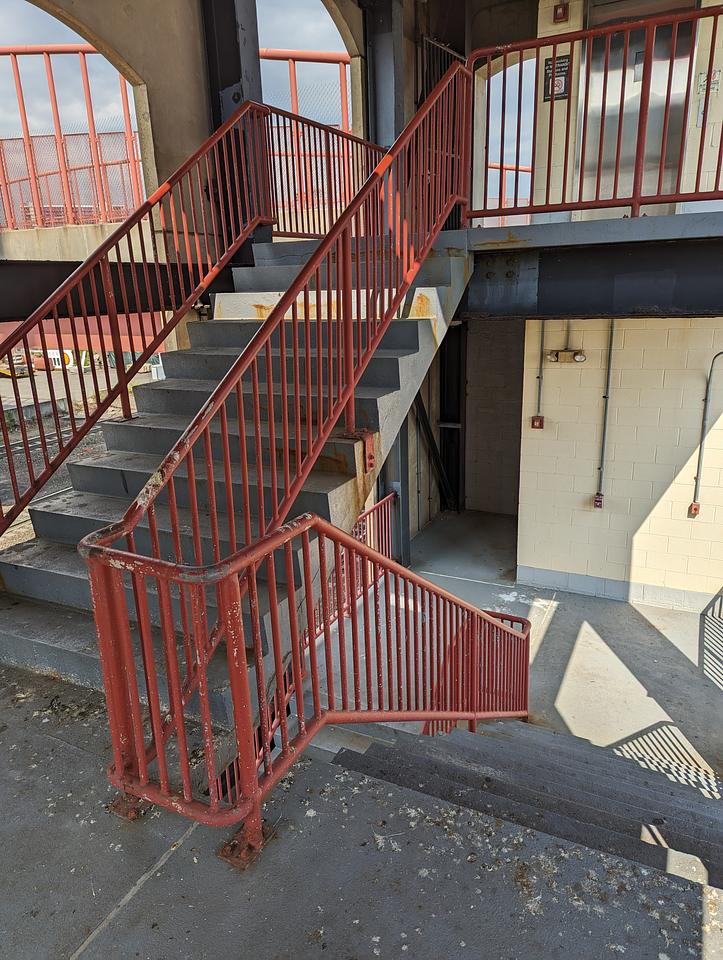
{"x": 56, "y": 171}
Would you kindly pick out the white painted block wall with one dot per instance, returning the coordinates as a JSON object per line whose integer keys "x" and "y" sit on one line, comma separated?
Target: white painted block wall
{"x": 642, "y": 544}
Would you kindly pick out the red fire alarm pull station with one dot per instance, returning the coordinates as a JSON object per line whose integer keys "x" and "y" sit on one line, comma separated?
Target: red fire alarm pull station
{"x": 561, "y": 12}
{"x": 694, "y": 509}
{"x": 597, "y": 501}
{"x": 538, "y": 422}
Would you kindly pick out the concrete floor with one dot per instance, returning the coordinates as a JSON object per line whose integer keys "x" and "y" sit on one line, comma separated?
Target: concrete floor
{"x": 643, "y": 679}
{"x": 356, "y": 868}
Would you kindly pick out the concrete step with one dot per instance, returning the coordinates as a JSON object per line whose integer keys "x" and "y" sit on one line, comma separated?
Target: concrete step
{"x": 575, "y": 762}
{"x": 420, "y": 302}
{"x": 186, "y": 397}
{"x": 213, "y": 363}
{"x": 284, "y": 251}
{"x": 279, "y": 276}
{"x": 699, "y": 835}
{"x": 532, "y": 736}
{"x": 157, "y": 433}
{"x": 237, "y": 333}
{"x": 56, "y": 573}
{"x": 556, "y": 824}
{"x": 57, "y": 640}
{"x": 69, "y": 516}
{"x": 124, "y": 474}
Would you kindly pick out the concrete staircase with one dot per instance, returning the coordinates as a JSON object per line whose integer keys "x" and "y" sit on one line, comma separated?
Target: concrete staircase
{"x": 48, "y": 570}
{"x": 559, "y": 785}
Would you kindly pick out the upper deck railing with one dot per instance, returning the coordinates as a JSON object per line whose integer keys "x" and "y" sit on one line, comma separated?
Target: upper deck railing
{"x": 623, "y": 117}
{"x": 70, "y": 176}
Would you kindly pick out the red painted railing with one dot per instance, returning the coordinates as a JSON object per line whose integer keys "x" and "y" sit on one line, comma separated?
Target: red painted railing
{"x": 383, "y": 662}
{"x": 147, "y": 275}
{"x": 235, "y": 485}
{"x": 293, "y": 58}
{"x": 374, "y": 527}
{"x": 66, "y": 177}
{"x": 622, "y": 116}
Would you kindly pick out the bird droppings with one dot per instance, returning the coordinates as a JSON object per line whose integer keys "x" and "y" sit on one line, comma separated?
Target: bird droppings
{"x": 354, "y": 859}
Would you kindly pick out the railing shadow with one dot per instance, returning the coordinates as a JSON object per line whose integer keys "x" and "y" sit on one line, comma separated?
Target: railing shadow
{"x": 710, "y": 641}
{"x": 662, "y": 748}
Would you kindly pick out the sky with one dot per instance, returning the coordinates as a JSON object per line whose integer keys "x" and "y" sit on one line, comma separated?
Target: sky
{"x": 300, "y": 24}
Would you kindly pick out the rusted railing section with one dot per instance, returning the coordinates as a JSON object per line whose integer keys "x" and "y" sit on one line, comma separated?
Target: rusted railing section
{"x": 385, "y": 659}
{"x": 149, "y": 273}
{"x": 624, "y": 116}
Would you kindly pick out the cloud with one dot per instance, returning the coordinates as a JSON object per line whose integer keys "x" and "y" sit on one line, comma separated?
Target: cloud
{"x": 297, "y": 24}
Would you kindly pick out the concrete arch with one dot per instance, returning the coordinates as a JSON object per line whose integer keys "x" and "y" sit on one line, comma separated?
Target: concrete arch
{"x": 163, "y": 58}
{"x": 348, "y": 19}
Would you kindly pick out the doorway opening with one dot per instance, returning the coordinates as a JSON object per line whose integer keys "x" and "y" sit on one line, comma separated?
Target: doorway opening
{"x": 481, "y": 376}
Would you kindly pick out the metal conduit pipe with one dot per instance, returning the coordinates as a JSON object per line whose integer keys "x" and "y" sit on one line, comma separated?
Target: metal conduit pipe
{"x": 538, "y": 421}
{"x": 599, "y": 496}
{"x": 694, "y": 508}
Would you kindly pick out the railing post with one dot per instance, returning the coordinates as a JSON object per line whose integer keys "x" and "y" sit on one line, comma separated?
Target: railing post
{"x": 5, "y": 192}
{"x": 27, "y": 145}
{"x": 130, "y": 143}
{"x": 241, "y": 848}
{"x": 59, "y": 145}
{"x": 344, "y": 286}
{"x": 643, "y": 121}
{"x": 111, "y": 620}
{"x": 329, "y": 194}
{"x": 115, "y": 336}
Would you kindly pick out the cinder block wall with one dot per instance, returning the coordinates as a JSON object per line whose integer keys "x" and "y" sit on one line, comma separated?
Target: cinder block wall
{"x": 642, "y": 545}
{"x": 494, "y": 396}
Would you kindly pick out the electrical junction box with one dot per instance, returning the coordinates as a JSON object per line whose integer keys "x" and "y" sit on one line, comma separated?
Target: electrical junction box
{"x": 566, "y": 356}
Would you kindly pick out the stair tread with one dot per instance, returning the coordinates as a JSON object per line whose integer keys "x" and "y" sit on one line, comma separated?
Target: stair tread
{"x": 169, "y": 421}
{"x": 106, "y": 510}
{"x": 205, "y": 387}
{"x": 63, "y": 559}
{"x": 231, "y": 351}
{"x": 570, "y": 755}
{"x": 545, "y": 821}
{"x": 703, "y": 831}
{"x": 318, "y": 481}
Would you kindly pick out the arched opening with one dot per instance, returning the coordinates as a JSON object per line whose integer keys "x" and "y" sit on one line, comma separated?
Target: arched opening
{"x": 324, "y": 81}
{"x": 69, "y": 150}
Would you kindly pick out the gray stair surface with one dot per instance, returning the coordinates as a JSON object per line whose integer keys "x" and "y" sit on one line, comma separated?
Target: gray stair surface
{"x": 44, "y": 589}
{"x": 562, "y": 786}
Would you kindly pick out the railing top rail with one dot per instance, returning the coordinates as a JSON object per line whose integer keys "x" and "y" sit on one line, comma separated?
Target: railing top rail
{"x": 37, "y": 49}
{"x": 95, "y": 544}
{"x": 444, "y": 47}
{"x": 376, "y": 506}
{"x": 610, "y": 28}
{"x": 304, "y": 56}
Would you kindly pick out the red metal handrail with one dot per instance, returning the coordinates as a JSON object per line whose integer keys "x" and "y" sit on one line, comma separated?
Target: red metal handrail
{"x": 234, "y": 485}
{"x": 151, "y": 270}
{"x": 590, "y": 138}
{"x": 345, "y": 296}
{"x": 384, "y": 660}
